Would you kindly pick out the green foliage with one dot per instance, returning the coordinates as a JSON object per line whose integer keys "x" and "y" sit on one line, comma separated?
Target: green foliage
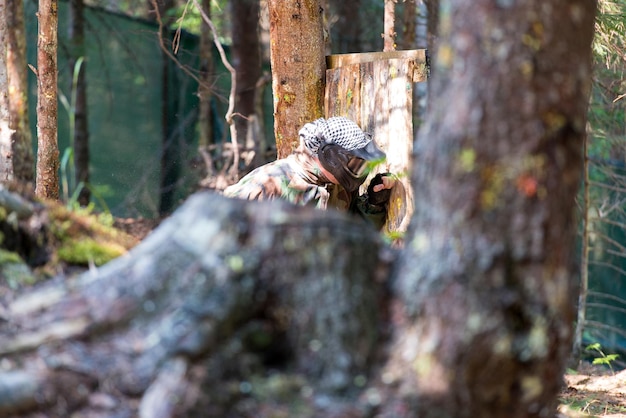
{"x": 86, "y": 250}
{"x": 104, "y": 218}
{"x": 609, "y": 45}
{"x": 67, "y": 160}
{"x": 82, "y": 237}
{"x": 607, "y": 107}
{"x": 187, "y": 17}
{"x": 71, "y": 191}
{"x": 602, "y": 358}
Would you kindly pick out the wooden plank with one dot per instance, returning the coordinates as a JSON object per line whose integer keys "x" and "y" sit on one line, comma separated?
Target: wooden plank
{"x": 417, "y": 57}
{"x": 340, "y": 60}
{"x": 377, "y": 95}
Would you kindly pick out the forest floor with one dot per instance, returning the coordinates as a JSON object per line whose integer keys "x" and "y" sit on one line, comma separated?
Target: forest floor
{"x": 595, "y": 392}
{"x": 588, "y": 392}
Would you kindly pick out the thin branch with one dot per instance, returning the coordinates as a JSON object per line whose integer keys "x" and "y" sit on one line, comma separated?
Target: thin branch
{"x": 584, "y": 263}
{"x": 167, "y": 51}
{"x": 233, "y": 86}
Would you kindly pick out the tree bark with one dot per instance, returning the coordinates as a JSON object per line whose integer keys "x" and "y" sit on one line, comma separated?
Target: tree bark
{"x": 298, "y": 66}
{"x": 191, "y": 311}
{"x": 6, "y": 153}
{"x": 47, "y": 179}
{"x": 205, "y": 120}
{"x": 246, "y": 49}
{"x": 410, "y": 18}
{"x": 16, "y": 155}
{"x": 389, "y": 32}
{"x": 487, "y": 276}
{"x": 21, "y": 140}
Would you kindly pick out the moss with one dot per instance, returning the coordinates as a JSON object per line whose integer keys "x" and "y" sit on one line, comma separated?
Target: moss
{"x": 85, "y": 250}
{"x": 289, "y": 98}
{"x": 9, "y": 257}
{"x": 14, "y": 270}
{"x": 83, "y": 237}
{"x": 466, "y": 160}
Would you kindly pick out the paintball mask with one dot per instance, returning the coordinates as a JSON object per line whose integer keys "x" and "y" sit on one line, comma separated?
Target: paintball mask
{"x": 342, "y": 148}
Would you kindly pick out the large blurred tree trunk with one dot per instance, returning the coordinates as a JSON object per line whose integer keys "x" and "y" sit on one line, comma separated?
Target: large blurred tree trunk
{"x": 246, "y": 51}
{"x": 79, "y": 89}
{"x": 487, "y": 277}
{"x": 20, "y": 163}
{"x": 297, "y": 54}
{"x": 47, "y": 179}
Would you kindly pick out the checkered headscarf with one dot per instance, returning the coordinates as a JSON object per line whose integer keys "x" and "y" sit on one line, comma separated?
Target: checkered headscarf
{"x": 339, "y": 130}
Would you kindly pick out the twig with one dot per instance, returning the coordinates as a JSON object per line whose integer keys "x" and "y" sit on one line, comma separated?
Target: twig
{"x": 233, "y": 86}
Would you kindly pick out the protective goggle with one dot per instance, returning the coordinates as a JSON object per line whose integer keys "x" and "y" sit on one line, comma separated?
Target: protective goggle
{"x": 357, "y": 166}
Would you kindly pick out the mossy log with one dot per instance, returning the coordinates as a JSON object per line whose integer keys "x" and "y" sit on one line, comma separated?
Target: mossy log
{"x": 228, "y": 308}
{"x": 39, "y": 239}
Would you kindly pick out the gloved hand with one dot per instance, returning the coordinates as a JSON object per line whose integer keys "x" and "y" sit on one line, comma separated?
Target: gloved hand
{"x": 380, "y": 197}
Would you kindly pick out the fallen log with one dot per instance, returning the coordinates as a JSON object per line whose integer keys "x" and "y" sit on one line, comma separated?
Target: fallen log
{"x": 222, "y": 299}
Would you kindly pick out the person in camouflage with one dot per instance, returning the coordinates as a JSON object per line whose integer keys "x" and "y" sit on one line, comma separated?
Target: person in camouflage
{"x": 325, "y": 171}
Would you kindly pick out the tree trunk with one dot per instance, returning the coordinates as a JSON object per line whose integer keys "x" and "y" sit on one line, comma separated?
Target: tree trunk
{"x": 487, "y": 278}
{"x": 410, "y": 18}
{"x": 389, "y": 32}
{"x": 21, "y": 138}
{"x": 205, "y": 120}
{"x": 298, "y": 66}
{"x": 47, "y": 180}
{"x": 170, "y": 146}
{"x": 6, "y": 153}
{"x": 246, "y": 49}
{"x": 79, "y": 88}
{"x": 347, "y": 29}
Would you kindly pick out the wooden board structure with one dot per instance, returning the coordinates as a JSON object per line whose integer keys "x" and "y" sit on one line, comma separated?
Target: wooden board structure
{"x": 376, "y": 91}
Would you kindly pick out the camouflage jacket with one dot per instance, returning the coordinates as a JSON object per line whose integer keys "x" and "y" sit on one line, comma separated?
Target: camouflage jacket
{"x": 297, "y": 179}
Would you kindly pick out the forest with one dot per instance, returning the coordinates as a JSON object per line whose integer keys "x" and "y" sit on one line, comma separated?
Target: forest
{"x": 130, "y": 286}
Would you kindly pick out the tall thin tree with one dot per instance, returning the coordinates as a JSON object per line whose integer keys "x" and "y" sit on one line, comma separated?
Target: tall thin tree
{"x": 246, "y": 52}
{"x": 17, "y": 151}
{"x": 77, "y": 65}
{"x": 170, "y": 150}
{"x": 389, "y": 25}
{"x": 205, "y": 83}
{"x": 47, "y": 178}
{"x": 6, "y": 154}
